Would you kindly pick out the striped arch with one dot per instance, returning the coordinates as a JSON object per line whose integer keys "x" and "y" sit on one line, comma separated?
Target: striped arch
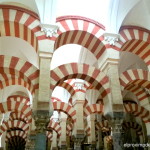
{"x": 55, "y": 126}
{"x": 18, "y": 81}
{"x": 88, "y": 131}
{"x": 103, "y": 125}
{"x": 81, "y": 71}
{"x": 109, "y": 140}
{"x": 16, "y": 66}
{"x": 16, "y": 141}
{"x": 94, "y": 108}
{"x": 18, "y": 116}
{"x": 82, "y": 31}
{"x": 69, "y": 129}
{"x": 133, "y": 125}
{"x": 67, "y": 87}
{"x": 49, "y": 135}
{"x": 16, "y": 133}
{"x": 19, "y": 98}
{"x": 9, "y": 79}
{"x": 135, "y": 40}
{"x": 21, "y": 23}
{"x": 16, "y": 107}
{"x": 13, "y": 124}
{"x": 136, "y": 76}
{"x": 141, "y": 95}
{"x": 138, "y": 111}
{"x": 64, "y": 107}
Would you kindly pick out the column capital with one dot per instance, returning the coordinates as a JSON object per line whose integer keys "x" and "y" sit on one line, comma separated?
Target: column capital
{"x": 49, "y": 29}
{"x": 111, "y": 38}
{"x": 78, "y": 140}
{"x": 79, "y": 85}
{"x": 42, "y": 118}
{"x": 116, "y": 124}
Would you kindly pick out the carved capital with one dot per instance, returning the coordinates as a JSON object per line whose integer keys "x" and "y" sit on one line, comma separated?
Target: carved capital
{"x": 78, "y": 141}
{"x": 79, "y": 85}
{"x": 49, "y": 29}
{"x": 42, "y": 118}
{"x": 111, "y": 38}
{"x": 116, "y": 124}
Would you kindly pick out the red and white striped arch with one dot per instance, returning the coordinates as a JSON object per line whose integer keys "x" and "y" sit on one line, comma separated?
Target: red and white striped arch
{"x": 81, "y": 71}
{"x": 87, "y": 130}
{"x": 67, "y": 87}
{"x": 103, "y": 125}
{"x": 136, "y": 76}
{"x": 19, "y": 98}
{"x": 16, "y": 66}
{"x": 17, "y": 81}
{"x": 49, "y": 135}
{"x": 55, "y": 126}
{"x": 16, "y": 107}
{"x": 138, "y": 111}
{"x": 141, "y": 95}
{"x": 66, "y": 108}
{"x": 135, "y": 40}
{"x": 109, "y": 139}
{"x": 94, "y": 108}
{"x": 133, "y": 125}
{"x": 69, "y": 128}
{"x": 13, "y": 124}
{"x": 20, "y": 23}
{"x": 82, "y": 31}
{"x": 16, "y": 133}
{"x": 18, "y": 116}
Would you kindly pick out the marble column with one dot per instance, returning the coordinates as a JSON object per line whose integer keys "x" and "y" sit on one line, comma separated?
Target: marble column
{"x": 114, "y": 110}
{"x": 77, "y": 143}
{"x": 30, "y": 143}
{"x": 106, "y": 144}
{"x": 54, "y": 145}
{"x": 44, "y": 93}
{"x": 99, "y": 145}
{"x": 117, "y": 133}
{"x": 114, "y": 103}
{"x": 91, "y": 124}
{"x": 79, "y": 125}
{"x": 63, "y": 119}
{"x": 41, "y": 118}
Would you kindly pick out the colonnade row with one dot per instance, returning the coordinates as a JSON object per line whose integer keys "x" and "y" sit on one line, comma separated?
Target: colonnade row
{"x": 101, "y": 136}
{"x": 110, "y": 89}
{"x": 114, "y": 113}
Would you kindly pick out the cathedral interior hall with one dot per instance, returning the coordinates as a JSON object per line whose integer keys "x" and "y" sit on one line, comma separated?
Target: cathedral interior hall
{"x": 74, "y": 74}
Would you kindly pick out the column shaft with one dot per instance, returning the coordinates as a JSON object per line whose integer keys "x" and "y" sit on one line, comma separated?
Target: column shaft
{"x": 44, "y": 80}
{"x": 91, "y": 124}
{"x": 79, "y": 117}
{"x": 63, "y": 134}
{"x": 100, "y": 140}
{"x": 40, "y": 143}
{"x": 54, "y": 141}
